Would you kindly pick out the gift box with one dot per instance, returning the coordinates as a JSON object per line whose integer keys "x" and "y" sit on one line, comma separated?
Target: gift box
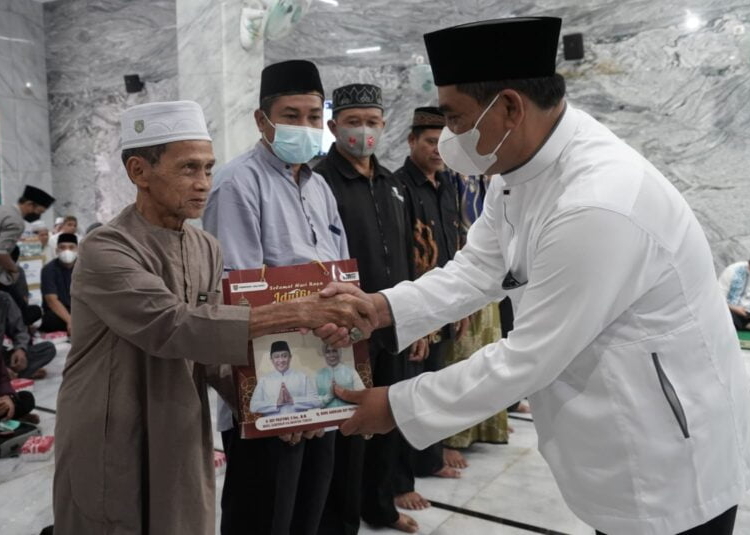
{"x": 220, "y": 462}
{"x": 38, "y": 448}
{"x": 57, "y": 337}
{"x": 22, "y": 384}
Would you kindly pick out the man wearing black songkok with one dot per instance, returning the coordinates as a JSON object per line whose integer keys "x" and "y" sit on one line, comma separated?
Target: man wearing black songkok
{"x": 622, "y": 338}
{"x": 31, "y": 205}
{"x": 373, "y": 208}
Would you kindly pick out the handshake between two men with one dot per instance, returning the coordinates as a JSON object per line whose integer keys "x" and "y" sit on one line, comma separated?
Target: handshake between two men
{"x": 340, "y": 314}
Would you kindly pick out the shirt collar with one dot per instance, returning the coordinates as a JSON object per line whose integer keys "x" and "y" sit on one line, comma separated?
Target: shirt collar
{"x": 419, "y": 178}
{"x": 346, "y": 168}
{"x": 549, "y": 151}
{"x": 266, "y": 155}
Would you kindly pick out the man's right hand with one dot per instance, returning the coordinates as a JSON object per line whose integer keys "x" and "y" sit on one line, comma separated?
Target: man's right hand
{"x": 7, "y": 408}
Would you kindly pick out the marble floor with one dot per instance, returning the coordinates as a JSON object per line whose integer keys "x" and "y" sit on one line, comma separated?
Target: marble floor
{"x": 507, "y": 490}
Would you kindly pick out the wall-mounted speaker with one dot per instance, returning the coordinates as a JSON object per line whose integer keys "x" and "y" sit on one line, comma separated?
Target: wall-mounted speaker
{"x": 573, "y": 46}
{"x": 133, "y": 83}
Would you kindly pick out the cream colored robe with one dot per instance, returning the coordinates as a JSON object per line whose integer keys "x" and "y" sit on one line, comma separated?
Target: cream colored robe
{"x": 134, "y": 448}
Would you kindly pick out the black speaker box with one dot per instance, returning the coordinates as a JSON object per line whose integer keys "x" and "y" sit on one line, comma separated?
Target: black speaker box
{"x": 133, "y": 83}
{"x": 573, "y": 46}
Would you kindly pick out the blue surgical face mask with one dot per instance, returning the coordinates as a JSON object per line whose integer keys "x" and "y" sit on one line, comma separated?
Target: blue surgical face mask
{"x": 295, "y": 144}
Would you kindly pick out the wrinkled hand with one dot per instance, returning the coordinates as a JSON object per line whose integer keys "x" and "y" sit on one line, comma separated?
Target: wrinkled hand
{"x": 336, "y": 309}
{"x": 419, "y": 350}
{"x": 336, "y": 333}
{"x": 18, "y": 360}
{"x": 7, "y": 408}
{"x": 373, "y": 414}
{"x": 461, "y": 328}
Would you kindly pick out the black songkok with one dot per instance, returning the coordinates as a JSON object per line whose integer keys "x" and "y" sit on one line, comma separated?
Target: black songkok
{"x": 428, "y": 117}
{"x": 67, "y": 238}
{"x": 357, "y": 96}
{"x": 294, "y": 77}
{"x": 492, "y": 50}
{"x": 279, "y": 345}
{"x": 39, "y": 196}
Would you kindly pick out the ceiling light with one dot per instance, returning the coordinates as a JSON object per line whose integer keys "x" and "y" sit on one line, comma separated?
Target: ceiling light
{"x": 331, "y": 2}
{"x": 363, "y": 50}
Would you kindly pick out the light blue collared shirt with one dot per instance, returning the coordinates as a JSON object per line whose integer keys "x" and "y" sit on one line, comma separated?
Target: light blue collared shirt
{"x": 261, "y": 216}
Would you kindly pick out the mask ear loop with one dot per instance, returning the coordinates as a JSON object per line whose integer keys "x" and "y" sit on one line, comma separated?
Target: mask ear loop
{"x": 263, "y": 135}
{"x": 482, "y": 116}
{"x": 485, "y": 111}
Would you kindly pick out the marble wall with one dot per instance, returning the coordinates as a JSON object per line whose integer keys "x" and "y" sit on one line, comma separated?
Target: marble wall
{"x": 24, "y": 124}
{"x": 216, "y": 72}
{"x": 670, "y": 77}
{"x": 91, "y": 45}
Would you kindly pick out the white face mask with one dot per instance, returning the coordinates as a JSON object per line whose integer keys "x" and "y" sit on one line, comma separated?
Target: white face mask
{"x": 67, "y": 257}
{"x": 459, "y": 152}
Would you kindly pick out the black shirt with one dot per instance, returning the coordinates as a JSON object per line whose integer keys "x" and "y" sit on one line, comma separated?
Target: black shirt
{"x": 434, "y": 216}
{"x": 375, "y": 220}
{"x": 56, "y": 280}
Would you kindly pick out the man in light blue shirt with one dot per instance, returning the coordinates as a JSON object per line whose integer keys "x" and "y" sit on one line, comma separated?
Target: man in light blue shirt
{"x": 267, "y": 207}
{"x": 335, "y": 373}
{"x": 283, "y": 390}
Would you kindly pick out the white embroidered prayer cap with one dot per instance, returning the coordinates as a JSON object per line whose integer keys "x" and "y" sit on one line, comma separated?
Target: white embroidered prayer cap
{"x": 155, "y": 123}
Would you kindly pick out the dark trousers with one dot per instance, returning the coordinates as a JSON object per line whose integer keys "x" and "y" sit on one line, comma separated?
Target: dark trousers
{"x": 721, "y": 525}
{"x": 342, "y": 508}
{"x": 24, "y": 403}
{"x": 51, "y": 323}
{"x": 37, "y": 357}
{"x": 383, "y": 476}
{"x": 430, "y": 460}
{"x": 740, "y": 323}
{"x": 272, "y": 488}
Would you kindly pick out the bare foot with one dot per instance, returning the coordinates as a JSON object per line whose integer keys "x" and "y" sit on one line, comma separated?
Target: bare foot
{"x": 39, "y": 374}
{"x": 412, "y": 501}
{"x": 454, "y": 458}
{"x": 406, "y": 524}
{"x": 523, "y": 407}
{"x": 448, "y": 472}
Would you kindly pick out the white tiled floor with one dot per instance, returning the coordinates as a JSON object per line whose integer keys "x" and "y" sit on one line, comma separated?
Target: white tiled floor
{"x": 511, "y": 482}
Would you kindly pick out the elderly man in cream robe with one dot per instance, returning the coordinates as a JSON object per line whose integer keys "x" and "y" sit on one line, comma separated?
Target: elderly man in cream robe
{"x": 134, "y": 448}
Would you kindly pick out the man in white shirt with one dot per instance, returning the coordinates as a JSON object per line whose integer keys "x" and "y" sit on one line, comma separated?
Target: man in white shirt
{"x": 622, "y": 340}
{"x": 335, "y": 373}
{"x": 283, "y": 390}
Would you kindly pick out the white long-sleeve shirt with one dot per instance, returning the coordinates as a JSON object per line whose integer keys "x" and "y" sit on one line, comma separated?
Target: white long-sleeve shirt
{"x": 266, "y": 394}
{"x": 622, "y": 339}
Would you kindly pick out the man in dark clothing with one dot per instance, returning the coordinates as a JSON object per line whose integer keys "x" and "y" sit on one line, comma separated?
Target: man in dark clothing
{"x": 19, "y": 291}
{"x": 24, "y": 359}
{"x": 373, "y": 209}
{"x": 13, "y": 405}
{"x": 56, "y": 277}
{"x": 435, "y": 223}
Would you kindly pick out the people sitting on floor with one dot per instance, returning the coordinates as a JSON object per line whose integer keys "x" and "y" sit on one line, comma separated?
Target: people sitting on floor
{"x": 22, "y": 359}
{"x": 56, "y": 277}
{"x": 735, "y": 286}
{"x": 15, "y": 405}
{"x": 19, "y": 291}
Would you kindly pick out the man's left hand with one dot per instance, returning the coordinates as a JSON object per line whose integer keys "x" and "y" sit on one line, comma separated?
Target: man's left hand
{"x": 18, "y": 360}
{"x": 373, "y": 414}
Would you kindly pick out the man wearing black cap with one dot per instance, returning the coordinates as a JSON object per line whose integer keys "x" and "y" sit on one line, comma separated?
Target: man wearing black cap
{"x": 267, "y": 207}
{"x": 283, "y": 390}
{"x": 374, "y": 212}
{"x": 56, "y": 279}
{"x": 31, "y": 205}
{"x": 435, "y": 223}
{"x": 622, "y": 339}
